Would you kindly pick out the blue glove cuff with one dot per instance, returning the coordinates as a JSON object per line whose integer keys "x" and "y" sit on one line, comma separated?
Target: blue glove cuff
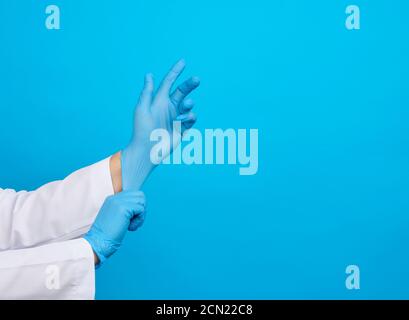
{"x": 103, "y": 249}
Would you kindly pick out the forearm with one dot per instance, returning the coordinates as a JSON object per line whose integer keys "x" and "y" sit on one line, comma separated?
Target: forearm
{"x": 116, "y": 172}
{"x": 57, "y": 211}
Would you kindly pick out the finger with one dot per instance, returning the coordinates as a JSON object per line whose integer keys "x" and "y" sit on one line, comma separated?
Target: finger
{"x": 128, "y": 200}
{"x": 146, "y": 96}
{"x": 134, "y": 203}
{"x": 171, "y": 77}
{"x": 186, "y": 106}
{"x": 184, "y": 89}
{"x": 130, "y": 209}
{"x": 136, "y": 222}
{"x": 133, "y": 208}
{"x": 187, "y": 120}
{"x": 132, "y": 195}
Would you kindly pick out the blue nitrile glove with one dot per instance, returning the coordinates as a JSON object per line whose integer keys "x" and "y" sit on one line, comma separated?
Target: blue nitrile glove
{"x": 156, "y": 112}
{"x": 119, "y": 213}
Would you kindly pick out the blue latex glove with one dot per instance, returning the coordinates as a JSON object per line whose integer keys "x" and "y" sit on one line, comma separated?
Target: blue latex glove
{"x": 119, "y": 213}
{"x": 156, "y": 112}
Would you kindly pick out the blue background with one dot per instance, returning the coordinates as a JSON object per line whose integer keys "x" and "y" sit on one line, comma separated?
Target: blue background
{"x": 331, "y": 106}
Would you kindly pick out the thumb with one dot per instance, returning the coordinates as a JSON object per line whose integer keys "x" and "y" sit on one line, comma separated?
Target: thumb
{"x": 137, "y": 222}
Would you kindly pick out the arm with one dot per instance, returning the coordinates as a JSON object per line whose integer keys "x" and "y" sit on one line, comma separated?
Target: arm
{"x": 63, "y": 270}
{"x": 57, "y": 211}
{"x": 64, "y": 210}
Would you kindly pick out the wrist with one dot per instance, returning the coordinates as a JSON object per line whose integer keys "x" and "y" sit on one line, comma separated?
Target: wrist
{"x": 96, "y": 259}
{"x": 98, "y": 246}
{"x": 136, "y": 167}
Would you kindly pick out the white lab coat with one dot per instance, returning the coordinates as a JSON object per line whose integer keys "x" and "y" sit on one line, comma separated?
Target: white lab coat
{"x": 42, "y": 255}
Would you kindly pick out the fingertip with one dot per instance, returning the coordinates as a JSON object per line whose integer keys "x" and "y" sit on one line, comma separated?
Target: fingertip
{"x": 190, "y": 122}
{"x": 187, "y": 117}
{"x": 181, "y": 62}
{"x": 149, "y": 79}
{"x": 196, "y": 81}
{"x": 182, "y": 117}
{"x": 193, "y": 117}
{"x": 179, "y": 66}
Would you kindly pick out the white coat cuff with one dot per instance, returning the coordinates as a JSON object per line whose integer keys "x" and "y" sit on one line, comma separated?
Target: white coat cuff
{"x": 62, "y": 270}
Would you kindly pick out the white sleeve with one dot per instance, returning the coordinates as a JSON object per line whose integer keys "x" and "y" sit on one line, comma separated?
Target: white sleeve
{"x": 57, "y": 211}
{"x": 63, "y": 270}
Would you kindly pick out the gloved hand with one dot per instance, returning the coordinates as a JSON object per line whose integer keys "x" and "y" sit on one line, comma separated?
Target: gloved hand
{"x": 119, "y": 213}
{"x": 156, "y": 112}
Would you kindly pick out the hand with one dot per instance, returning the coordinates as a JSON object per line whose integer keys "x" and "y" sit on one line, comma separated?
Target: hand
{"x": 119, "y": 213}
{"x": 156, "y": 112}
